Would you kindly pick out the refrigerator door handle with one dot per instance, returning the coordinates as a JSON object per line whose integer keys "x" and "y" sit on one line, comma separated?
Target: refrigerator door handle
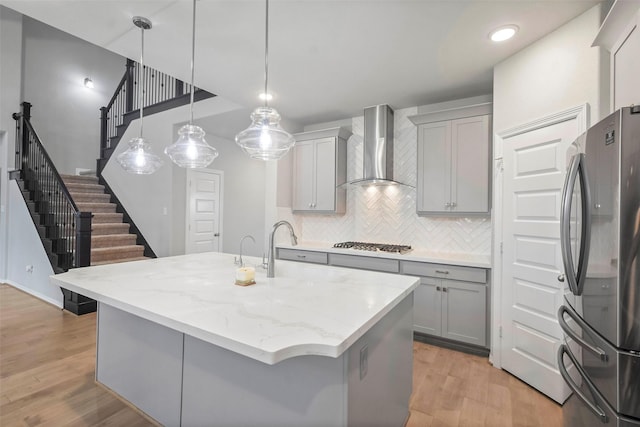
{"x": 593, "y": 406}
{"x": 577, "y": 338}
{"x": 575, "y": 278}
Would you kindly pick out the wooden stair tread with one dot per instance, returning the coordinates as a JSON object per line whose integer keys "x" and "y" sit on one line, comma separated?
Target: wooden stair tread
{"x": 96, "y": 207}
{"x": 85, "y": 188}
{"x": 117, "y": 261}
{"x": 88, "y": 179}
{"x": 107, "y": 218}
{"x": 119, "y": 249}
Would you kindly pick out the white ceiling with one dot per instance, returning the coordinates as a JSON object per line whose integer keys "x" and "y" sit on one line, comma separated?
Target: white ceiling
{"x": 327, "y": 59}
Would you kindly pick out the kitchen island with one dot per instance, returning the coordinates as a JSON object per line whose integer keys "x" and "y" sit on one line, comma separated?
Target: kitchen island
{"x": 315, "y": 345}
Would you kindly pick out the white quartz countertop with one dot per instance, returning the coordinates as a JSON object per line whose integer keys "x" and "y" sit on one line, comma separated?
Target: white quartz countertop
{"x": 452, "y": 258}
{"x": 304, "y": 310}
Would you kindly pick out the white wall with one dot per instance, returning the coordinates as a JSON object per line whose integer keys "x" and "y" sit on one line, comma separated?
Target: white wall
{"x": 65, "y": 114}
{"x": 11, "y": 59}
{"x": 558, "y": 72}
{"x": 27, "y": 251}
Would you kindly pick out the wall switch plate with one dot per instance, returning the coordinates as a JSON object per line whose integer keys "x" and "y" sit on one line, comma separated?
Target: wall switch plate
{"x": 364, "y": 361}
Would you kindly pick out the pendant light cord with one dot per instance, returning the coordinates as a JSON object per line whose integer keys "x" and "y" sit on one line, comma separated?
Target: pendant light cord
{"x": 266, "y": 53}
{"x": 141, "y": 78}
{"x": 193, "y": 55}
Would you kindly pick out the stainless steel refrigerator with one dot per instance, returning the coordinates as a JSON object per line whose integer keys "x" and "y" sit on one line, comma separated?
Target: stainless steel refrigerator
{"x": 600, "y": 228}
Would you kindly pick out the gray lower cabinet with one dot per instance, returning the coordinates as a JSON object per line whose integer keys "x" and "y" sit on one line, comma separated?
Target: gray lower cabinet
{"x": 302, "y": 256}
{"x": 365, "y": 263}
{"x": 451, "y": 301}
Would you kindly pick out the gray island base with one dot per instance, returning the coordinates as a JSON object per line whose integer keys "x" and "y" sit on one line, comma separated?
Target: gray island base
{"x": 180, "y": 380}
{"x": 313, "y": 346}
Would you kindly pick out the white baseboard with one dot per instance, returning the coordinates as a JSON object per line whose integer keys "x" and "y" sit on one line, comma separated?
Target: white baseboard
{"x": 36, "y": 294}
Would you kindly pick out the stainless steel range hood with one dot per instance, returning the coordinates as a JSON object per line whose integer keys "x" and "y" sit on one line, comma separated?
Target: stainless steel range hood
{"x": 377, "y": 147}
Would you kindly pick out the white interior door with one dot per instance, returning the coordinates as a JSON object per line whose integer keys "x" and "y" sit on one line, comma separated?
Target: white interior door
{"x": 204, "y": 213}
{"x": 535, "y": 164}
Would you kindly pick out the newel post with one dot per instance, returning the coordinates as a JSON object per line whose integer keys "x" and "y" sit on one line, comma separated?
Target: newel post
{"x": 83, "y": 239}
{"x": 22, "y": 136}
{"x": 129, "y": 86}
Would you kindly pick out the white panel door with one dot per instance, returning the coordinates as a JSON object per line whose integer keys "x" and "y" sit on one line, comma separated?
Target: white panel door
{"x": 204, "y": 215}
{"x": 534, "y": 172}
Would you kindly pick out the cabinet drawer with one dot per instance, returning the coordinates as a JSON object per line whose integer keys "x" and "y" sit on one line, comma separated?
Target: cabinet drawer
{"x": 444, "y": 271}
{"x": 303, "y": 256}
{"x": 364, "y": 262}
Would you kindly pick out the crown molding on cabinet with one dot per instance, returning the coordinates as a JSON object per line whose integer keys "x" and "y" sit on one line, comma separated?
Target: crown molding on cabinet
{"x": 340, "y": 132}
{"x": 481, "y": 109}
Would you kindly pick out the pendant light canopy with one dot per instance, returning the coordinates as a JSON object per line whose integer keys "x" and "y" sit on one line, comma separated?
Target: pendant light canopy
{"x": 139, "y": 158}
{"x": 191, "y": 149}
{"x": 265, "y": 139}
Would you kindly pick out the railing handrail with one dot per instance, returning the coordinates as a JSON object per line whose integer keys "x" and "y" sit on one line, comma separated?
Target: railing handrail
{"x": 63, "y": 187}
{"x": 123, "y": 81}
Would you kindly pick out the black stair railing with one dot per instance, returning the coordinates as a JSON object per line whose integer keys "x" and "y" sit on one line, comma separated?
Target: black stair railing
{"x": 67, "y": 227}
{"x": 65, "y": 231}
{"x": 161, "y": 92}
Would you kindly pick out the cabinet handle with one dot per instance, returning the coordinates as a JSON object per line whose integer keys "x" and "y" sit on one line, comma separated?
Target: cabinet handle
{"x": 442, "y": 271}
{"x": 447, "y": 205}
{"x": 444, "y": 289}
{"x": 438, "y": 288}
{"x": 301, "y": 256}
{"x": 453, "y": 204}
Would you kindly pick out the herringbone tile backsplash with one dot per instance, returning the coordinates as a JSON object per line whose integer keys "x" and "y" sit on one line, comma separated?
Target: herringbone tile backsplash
{"x": 388, "y": 214}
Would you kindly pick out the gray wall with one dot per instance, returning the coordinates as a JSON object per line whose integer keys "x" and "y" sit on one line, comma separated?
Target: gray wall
{"x": 65, "y": 114}
{"x": 558, "y": 72}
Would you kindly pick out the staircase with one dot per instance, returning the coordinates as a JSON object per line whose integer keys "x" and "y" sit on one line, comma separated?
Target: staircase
{"x": 111, "y": 240}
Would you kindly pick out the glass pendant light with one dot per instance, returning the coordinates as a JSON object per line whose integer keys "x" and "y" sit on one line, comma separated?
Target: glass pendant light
{"x": 191, "y": 149}
{"x": 265, "y": 139}
{"x": 139, "y": 158}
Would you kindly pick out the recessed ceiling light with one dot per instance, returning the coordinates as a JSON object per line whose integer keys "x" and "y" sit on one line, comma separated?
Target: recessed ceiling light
{"x": 88, "y": 83}
{"x": 265, "y": 96}
{"x": 503, "y": 33}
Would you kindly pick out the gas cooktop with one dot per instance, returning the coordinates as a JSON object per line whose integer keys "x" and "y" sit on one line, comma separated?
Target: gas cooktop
{"x": 378, "y": 247}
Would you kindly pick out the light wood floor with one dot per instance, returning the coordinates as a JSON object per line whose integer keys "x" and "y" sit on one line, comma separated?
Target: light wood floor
{"x": 47, "y": 365}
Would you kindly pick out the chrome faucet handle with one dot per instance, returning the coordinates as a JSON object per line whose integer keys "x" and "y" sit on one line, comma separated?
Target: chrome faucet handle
{"x": 265, "y": 264}
{"x": 236, "y": 261}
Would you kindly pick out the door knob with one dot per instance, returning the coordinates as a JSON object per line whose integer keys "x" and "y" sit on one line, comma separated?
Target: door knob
{"x": 561, "y": 278}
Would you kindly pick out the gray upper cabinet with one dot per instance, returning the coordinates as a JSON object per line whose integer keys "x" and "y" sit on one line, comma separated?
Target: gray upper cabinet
{"x": 453, "y": 166}
{"x": 319, "y": 168}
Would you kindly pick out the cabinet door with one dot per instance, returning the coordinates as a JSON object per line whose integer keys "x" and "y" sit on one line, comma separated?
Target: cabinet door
{"x": 464, "y": 312}
{"x": 470, "y": 164}
{"x": 325, "y": 180}
{"x": 434, "y": 159}
{"x": 303, "y": 175}
{"x": 427, "y": 307}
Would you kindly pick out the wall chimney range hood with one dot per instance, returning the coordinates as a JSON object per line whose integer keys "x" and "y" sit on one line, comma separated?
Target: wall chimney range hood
{"x": 377, "y": 147}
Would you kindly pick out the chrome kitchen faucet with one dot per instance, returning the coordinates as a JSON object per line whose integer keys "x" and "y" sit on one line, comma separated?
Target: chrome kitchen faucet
{"x": 271, "y": 261}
